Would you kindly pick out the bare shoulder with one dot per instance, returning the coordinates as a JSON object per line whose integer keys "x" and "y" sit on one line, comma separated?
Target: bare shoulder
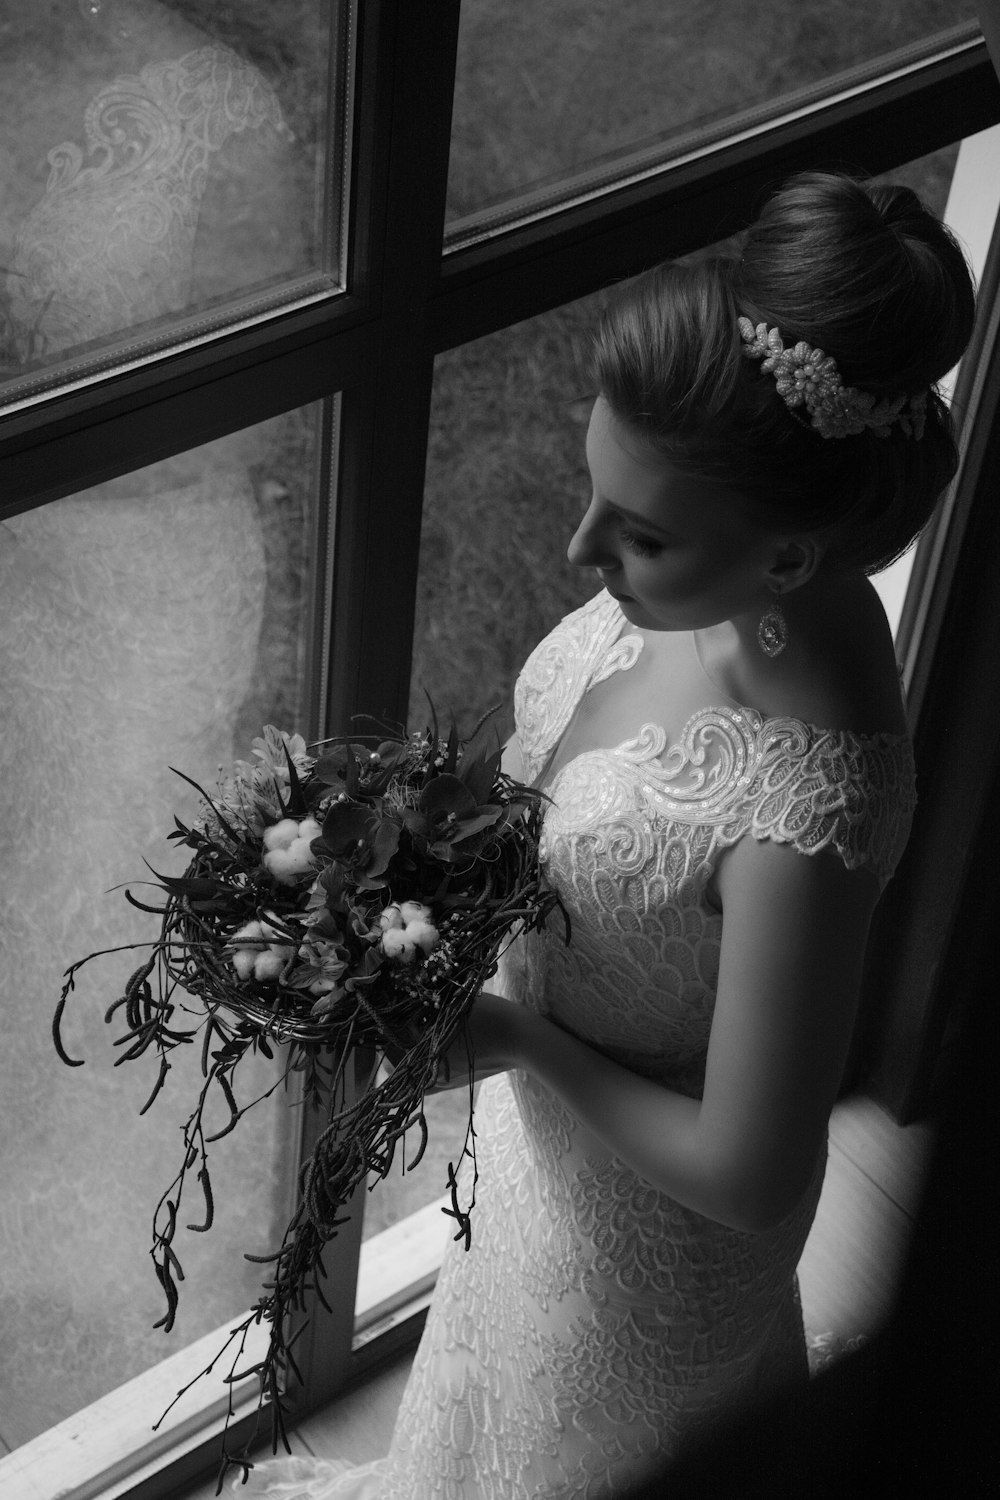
{"x": 839, "y": 670}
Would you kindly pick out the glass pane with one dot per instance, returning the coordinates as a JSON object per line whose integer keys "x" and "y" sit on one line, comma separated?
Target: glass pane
{"x": 545, "y": 91}
{"x": 506, "y": 483}
{"x": 506, "y": 477}
{"x": 506, "y": 480}
{"x": 152, "y": 622}
{"x": 164, "y": 165}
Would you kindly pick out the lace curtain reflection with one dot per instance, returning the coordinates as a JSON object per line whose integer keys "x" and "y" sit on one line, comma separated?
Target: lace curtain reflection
{"x": 129, "y": 629}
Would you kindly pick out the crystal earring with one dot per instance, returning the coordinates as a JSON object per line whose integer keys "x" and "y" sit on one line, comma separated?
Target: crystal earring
{"x": 772, "y": 632}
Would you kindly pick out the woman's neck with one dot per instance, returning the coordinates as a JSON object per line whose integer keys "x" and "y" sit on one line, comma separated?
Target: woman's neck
{"x": 837, "y": 670}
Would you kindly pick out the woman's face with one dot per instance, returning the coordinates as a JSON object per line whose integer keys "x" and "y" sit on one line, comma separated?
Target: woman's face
{"x": 677, "y": 552}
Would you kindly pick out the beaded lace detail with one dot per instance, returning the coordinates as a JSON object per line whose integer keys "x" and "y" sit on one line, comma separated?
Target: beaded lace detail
{"x": 596, "y": 1323}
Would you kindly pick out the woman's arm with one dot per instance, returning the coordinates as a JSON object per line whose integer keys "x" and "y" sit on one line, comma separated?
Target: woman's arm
{"x": 794, "y": 933}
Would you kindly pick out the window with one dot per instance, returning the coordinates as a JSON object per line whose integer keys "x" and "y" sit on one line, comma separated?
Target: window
{"x": 305, "y": 375}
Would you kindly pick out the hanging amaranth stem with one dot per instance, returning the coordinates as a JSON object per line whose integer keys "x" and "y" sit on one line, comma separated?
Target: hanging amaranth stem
{"x": 347, "y": 906}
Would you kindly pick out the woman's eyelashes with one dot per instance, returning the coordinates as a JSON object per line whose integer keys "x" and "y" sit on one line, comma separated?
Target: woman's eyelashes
{"x": 643, "y": 546}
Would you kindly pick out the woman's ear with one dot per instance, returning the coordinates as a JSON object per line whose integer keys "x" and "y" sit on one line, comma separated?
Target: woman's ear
{"x": 795, "y": 562}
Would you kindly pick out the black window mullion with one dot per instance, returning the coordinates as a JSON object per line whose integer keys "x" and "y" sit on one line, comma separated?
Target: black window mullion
{"x": 386, "y": 419}
{"x": 385, "y": 408}
{"x": 560, "y": 256}
{"x": 71, "y": 452}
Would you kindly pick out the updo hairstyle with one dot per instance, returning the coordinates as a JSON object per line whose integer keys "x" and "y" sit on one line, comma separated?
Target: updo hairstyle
{"x": 863, "y": 272}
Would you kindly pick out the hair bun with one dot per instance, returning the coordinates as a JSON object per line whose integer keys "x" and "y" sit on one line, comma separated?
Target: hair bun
{"x": 864, "y": 272}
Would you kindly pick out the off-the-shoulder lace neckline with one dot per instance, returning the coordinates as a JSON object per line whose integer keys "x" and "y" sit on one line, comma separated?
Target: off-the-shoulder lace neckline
{"x": 679, "y": 748}
{"x": 653, "y": 744}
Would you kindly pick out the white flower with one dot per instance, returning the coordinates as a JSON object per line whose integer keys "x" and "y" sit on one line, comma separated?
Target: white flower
{"x": 270, "y": 750}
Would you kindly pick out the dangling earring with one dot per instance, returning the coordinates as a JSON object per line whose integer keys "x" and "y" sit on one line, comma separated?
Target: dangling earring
{"x": 772, "y": 632}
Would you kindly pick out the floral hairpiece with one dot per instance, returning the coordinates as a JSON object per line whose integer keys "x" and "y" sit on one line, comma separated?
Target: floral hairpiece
{"x": 808, "y": 377}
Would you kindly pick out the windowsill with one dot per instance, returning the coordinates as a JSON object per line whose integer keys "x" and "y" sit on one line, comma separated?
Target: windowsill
{"x": 109, "y": 1448}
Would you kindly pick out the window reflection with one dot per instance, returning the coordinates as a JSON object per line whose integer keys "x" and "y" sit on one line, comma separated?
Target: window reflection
{"x": 159, "y": 158}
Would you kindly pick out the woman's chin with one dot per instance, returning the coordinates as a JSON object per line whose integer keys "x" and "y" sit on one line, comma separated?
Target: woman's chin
{"x": 630, "y": 608}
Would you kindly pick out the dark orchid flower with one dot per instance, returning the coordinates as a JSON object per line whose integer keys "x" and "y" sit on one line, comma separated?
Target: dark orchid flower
{"x": 361, "y": 841}
{"x": 449, "y": 820}
{"x": 361, "y": 771}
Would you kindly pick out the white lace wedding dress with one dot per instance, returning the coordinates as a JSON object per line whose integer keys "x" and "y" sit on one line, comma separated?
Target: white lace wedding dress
{"x": 595, "y": 1324}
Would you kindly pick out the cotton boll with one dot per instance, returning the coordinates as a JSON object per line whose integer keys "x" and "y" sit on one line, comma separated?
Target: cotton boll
{"x": 288, "y": 862}
{"x": 280, "y": 835}
{"x": 243, "y": 962}
{"x": 309, "y": 829}
{"x": 301, "y": 855}
{"x": 422, "y": 935}
{"x": 412, "y": 911}
{"x": 396, "y": 944}
{"x": 391, "y": 918}
{"x": 283, "y": 865}
{"x": 269, "y": 964}
{"x": 251, "y": 932}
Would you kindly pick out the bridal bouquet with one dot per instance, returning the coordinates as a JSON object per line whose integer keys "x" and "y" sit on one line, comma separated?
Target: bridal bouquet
{"x": 347, "y": 906}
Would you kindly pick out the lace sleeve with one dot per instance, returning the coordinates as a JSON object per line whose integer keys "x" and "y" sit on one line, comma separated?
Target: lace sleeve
{"x": 816, "y": 789}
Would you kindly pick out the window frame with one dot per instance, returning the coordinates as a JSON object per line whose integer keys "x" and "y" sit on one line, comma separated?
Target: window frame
{"x": 373, "y": 346}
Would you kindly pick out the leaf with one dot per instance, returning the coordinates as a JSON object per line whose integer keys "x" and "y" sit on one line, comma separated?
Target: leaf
{"x": 480, "y": 772}
{"x": 237, "y": 839}
{"x": 479, "y": 763}
{"x": 196, "y": 887}
{"x": 154, "y": 911}
{"x": 296, "y": 801}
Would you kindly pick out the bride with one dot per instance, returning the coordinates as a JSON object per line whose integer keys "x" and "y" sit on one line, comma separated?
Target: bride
{"x": 721, "y": 736}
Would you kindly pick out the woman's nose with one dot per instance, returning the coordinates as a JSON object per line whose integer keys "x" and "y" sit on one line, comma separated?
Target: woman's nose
{"x": 588, "y": 547}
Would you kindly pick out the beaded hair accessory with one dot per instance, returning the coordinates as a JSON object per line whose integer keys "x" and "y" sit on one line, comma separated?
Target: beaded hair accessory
{"x": 808, "y": 377}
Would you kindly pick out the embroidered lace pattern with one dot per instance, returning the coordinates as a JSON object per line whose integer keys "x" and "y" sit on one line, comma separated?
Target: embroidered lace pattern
{"x": 595, "y": 1322}
{"x": 110, "y": 243}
